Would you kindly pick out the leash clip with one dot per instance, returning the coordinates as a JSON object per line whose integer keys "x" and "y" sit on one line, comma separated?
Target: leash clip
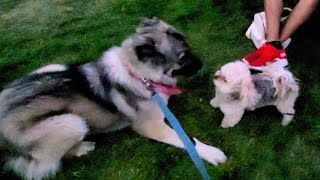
{"x": 148, "y": 84}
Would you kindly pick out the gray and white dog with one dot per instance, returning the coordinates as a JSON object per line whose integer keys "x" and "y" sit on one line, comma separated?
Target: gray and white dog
{"x": 237, "y": 90}
{"x": 45, "y": 115}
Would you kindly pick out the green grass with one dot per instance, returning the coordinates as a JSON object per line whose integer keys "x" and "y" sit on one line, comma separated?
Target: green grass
{"x": 37, "y": 32}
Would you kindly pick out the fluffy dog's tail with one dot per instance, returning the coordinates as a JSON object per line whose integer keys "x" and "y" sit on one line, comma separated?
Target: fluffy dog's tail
{"x": 31, "y": 168}
{"x": 44, "y": 147}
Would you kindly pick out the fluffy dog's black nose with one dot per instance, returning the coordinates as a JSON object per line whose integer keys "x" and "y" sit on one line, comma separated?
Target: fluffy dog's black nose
{"x": 216, "y": 77}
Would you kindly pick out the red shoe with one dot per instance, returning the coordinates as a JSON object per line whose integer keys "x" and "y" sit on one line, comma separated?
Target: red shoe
{"x": 265, "y": 55}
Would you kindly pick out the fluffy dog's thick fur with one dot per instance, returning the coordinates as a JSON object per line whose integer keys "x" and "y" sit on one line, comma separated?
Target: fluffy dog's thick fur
{"x": 237, "y": 90}
{"x": 45, "y": 115}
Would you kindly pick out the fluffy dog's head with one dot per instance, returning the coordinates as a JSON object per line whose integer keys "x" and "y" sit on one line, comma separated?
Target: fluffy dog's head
{"x": 234, "y": 82}
{"x": 161, "y": 52}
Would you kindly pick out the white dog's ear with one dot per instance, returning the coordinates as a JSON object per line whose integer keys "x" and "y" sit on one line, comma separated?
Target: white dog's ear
{"x": 248, "y": 94}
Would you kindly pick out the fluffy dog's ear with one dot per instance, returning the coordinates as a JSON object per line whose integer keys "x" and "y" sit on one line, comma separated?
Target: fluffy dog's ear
{"x": 248, "y": 93}
{"x": 145, "y": 22}
{"x": 147, "y": 25}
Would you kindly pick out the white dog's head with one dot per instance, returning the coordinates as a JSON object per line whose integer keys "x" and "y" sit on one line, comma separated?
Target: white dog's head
{"x": 234, "y": 81}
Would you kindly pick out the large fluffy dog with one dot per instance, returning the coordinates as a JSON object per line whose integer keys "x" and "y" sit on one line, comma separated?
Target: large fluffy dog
{"x": 238, "y": 90}
{"x": 46, "y": 115}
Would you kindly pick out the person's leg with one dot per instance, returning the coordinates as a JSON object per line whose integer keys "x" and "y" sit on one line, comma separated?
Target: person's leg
{"x": 299, "y": 15}
{"x": 273, "y": 10}
{"x": 271, "y": 51}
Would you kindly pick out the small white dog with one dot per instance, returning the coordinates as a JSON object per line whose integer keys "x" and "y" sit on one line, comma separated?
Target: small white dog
{"x": 238, "y": 90}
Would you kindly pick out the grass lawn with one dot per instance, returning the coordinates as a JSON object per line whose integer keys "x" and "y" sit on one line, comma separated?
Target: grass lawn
{"x": 37, "y": 32}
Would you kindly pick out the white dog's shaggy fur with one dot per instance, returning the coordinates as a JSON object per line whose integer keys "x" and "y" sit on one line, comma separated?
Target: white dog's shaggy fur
{"x": 237, "y": 90}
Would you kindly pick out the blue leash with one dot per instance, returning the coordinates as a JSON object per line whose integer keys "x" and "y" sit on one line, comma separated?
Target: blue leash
{"x": 189, "y": 146}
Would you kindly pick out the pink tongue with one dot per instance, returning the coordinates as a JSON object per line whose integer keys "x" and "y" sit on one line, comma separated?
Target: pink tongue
{"x": 166, "y": 89}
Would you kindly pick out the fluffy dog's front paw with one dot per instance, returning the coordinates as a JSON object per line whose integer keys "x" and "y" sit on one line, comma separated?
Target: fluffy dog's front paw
{"x": 211, "y": 154}
{"x": 214, "y": 103}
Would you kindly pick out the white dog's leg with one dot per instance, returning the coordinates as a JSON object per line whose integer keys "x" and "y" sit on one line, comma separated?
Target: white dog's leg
{"x": 214, "y": 102}
{"x": 286, "y": 108}
{"x": 160, "y": 131}
{"x": 286, "y": 119}
{"x": 232, "y": 114}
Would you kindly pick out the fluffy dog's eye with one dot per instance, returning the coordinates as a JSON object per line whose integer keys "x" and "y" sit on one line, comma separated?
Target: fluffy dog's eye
{"x": 180, "y": 63}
